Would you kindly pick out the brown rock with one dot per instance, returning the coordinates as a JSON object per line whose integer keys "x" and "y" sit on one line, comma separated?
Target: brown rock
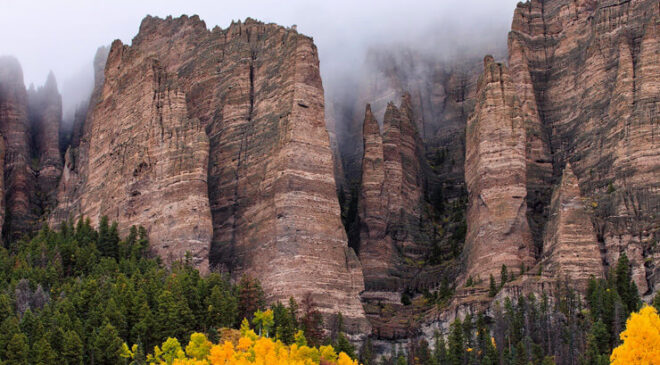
{"x": 45, "y": 114}
{"x": 595, "y": 74}
{"x": 19, "y": 178}
{"x": 255, "y": 89}
{"x": 496, "y": 177}
{"x": 570, "y": 248}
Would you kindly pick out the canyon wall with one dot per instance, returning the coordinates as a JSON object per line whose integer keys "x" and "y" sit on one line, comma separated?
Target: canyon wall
{"x": 495, "y": 173}
{"x": 570, "y": 247}
{"x": 215, "y": 141}
{"x": 596, "y": 79}
{"x": 19, "y": 177}
{"x": 45, "y": 114}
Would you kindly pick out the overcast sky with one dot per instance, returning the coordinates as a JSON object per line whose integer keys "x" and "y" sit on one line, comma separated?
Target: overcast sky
{"x": 63, "y": 35}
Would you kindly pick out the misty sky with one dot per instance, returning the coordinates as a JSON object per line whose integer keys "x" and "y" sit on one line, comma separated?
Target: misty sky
{"x": 63, "y": 35}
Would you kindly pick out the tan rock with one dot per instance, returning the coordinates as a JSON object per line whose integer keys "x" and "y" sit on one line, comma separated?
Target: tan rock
{"x": 595, "y": 74}
{"x": 265, "y": 200}
{"x": 19, "y": 177}
{"x": 495, "y": 173}
{"x": 570, "y": 248}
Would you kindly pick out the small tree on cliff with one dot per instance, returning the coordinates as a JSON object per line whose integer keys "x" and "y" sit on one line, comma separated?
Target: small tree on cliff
{"x": 492, "y": 291}
{"x": 625, "y": 286}
{"x": 250, "y": 297}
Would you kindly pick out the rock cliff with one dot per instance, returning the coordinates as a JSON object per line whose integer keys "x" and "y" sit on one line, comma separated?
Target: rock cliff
{"x": 45, "y": 114}
{"x": 19, "y": 177}
{"x": 215, "y": 141}
{"x": 495, "y": 173}
{"x": 596, "y": 78}
{"x": 570, "y": 247}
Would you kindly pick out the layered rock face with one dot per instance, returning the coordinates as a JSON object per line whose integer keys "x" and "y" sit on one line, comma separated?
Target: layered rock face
{"x": 147, "y": 160}
{"x": 596, "y": 79}
{"x": 217, "y": 139}
{"x": 391, "y": 198}
{"x": 45, "y": 114}
{"x": 570, "y": 247}
{"x": 76, "y": 158}
{"x": 496, "y": 177}
{"x": 19, "y": 178}
{"x": 396, "y": 229}
{"x": 442, "y": 96}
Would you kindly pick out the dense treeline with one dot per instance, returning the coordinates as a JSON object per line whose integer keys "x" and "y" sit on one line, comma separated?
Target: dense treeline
{"x": 539, "y": 330}
{"x": 76, "y": 294}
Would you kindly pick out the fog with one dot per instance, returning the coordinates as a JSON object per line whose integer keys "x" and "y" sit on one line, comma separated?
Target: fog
{"x": 63, "y": 36}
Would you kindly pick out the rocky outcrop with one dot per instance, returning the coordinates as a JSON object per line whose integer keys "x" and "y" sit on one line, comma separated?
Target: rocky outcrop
{"x": 595, "y": 75}
{"x": 74, "y": 172}
{"x": 570, "y": 247}
{"x": 392, "y": 199}
{"x": 19, "y": 177}
{"x": 45, "y": 114}
{"x": 198, "y": 132}
{"x": 154, "y": 172}
{"x": 376, "y": 253}
{"x": 496, "y": 176}
{"x": 442, "y": 96}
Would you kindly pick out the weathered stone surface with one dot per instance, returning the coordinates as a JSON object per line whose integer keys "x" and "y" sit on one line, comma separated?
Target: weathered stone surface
{"x": 3, "y": 150}
{"x": 392, "y": 199}
{"x": 596, "y": 78}
{"x": 376, "y": 252}
{"x": 76, "y": 158}
{"x": 45, "y": 114}
{"x": 496, "y": 176}
{"x": 255, "y": 89}
{"x": 570, "y": 247}
{"x": 19, "y": 178}
{"x": 147, "y": 160}
{"x": 442, "y": 96}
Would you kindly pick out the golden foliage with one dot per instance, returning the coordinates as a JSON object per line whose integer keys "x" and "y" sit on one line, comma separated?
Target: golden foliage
{"x": 641, "y": 339}
{"x": 249, "y": 349}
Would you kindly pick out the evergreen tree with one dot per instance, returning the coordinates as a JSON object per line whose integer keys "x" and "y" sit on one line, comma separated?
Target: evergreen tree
{"x": 106, "y": 346}
{"x": 72, "y": 349}
{"x": 367, "y": 353}
{"x": 492, "y": 291}
{"x": 108, "y": 239}
{"x": 504, "y": 276}
{"x": 222, "y": 308}
{"x": 285, "y": 323}
{"x": 17, "y": 350}
{"x": 251, "y": 297}
{"x": 625, "y": 286}
{"x": 43, "y": 353}
{"x": 343, "y": 345}
{"x": 456, "y": 351}
{"x": 440, "y": 351}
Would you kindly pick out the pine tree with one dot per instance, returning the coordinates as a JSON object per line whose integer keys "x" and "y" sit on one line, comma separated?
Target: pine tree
{"x": 72, "y": 349}
{"x": 625, "y": 286}
{"x": 17, "y": 350}
{"x": 343, "y": 345}
{"x": 250, "y": 297}
{"x": 456, "y": 351}
{"x": 492, "y": 291}
{"x": 440, "y": 351}
{"x": 43, "y": 353}
{"x": 106, "y": 346}
{"x": 367, "y": 353}
{"x": 108, "y": 239}
{"x": 504, "y": 276}
{"x": 222, "y": 308}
